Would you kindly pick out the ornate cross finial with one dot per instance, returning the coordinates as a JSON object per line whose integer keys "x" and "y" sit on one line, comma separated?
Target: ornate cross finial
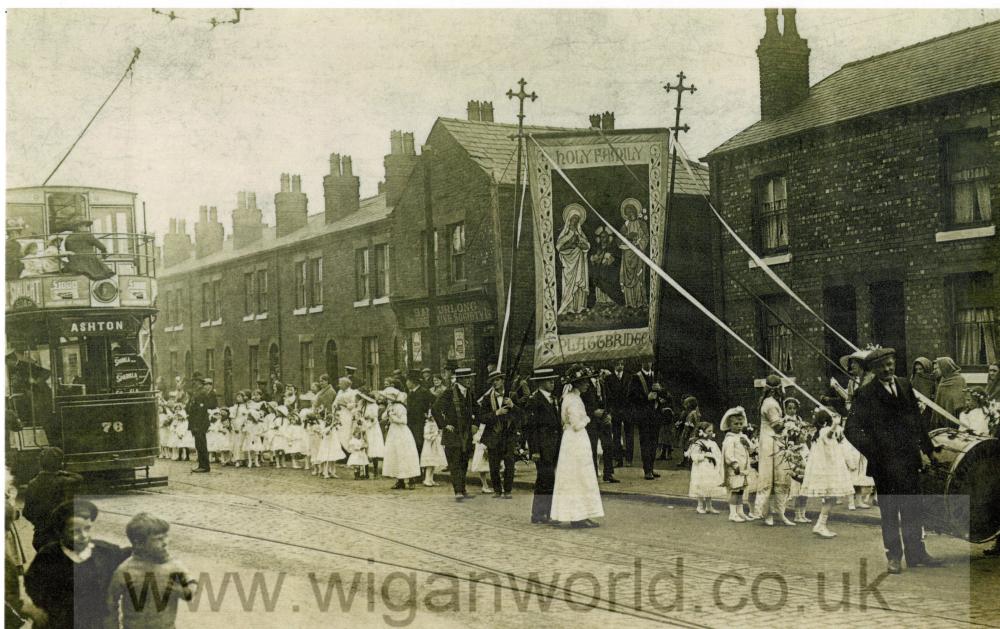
{"x": 680, "y": 88}
{"x": 521, "y": 95}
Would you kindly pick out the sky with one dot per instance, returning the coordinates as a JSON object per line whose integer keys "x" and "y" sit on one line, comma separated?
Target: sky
{"x": 209, "y": 112}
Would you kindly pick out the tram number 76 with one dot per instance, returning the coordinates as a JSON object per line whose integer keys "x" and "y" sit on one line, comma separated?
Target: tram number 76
{"x": 115, "y": 426}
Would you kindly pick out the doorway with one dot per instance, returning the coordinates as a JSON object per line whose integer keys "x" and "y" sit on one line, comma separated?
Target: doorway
{"x": 889, "y": 318}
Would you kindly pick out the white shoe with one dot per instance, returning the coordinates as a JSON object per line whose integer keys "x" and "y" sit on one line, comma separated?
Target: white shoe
{"x": 786, "y": 521}
{"x": 701, "y": 510}
{"x": 428, "y": 484}
{"x": 802, "y": 520}
{"x": 736, "y": 517}
{"x": 824, "y": 532}
{"x": 749, "y": 516}
{"x": 769, "y": 520}
{"x": 851, "y": 507}
{"x": 486, "y": 490}
{"x": 713, "y": 510}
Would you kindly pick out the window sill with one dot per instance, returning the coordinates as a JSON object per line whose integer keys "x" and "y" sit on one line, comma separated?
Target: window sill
{"x": 262, "y": 316}
{"x": 975, "y": 378}
{"x": 177, "y": 328}
{"x": 168, "y": 328}
{"x": 784, "y": 258}
{"x": 299, "y": 311}
{"x": 217, "y": 322}
{"x": 316, "y": 309}
{"x": 966, "y": 234}
{"x": 361, "y": 303}
{"x": 758, "y": 383}
{"x": 380, "y": 300}
{"x": 248, "y": 317}
{"x": 205, "y": 324}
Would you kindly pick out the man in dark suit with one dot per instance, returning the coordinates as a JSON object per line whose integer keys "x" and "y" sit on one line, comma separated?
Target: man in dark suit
{"x": 599, "y": 428}
{"x": 499, "y": 414}
{"x": 543, "y": 424}
{"x": 325, "y": 396}
{"x": 203, "y": 401}
{"x": 643, "y": 401}
{"x": 455, "y": 413}
{"x": 50, "y": 488}
{"x": 419, "y": 400}
{"x": 886, "y": 426}
{"x": 622, "y": 426}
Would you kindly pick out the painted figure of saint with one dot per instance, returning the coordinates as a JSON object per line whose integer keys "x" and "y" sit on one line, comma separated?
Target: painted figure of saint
{"x": 633, "y": 271}
{"x": 573, "y": 246}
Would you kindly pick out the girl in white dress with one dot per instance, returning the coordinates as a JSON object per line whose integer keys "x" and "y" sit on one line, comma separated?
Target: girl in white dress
{"x": 402, "y": 461}
{"x": 295, "y": 438}
{"x": 165, "y": 419}
{"x": 576, "y": 498}
{"x": 356, "y": 446}
{"x": 278, "y": 434}
{"x": 707, "y": 478}
{"x": 312, "y": 421}
{"x": 432, "y": 454}
{"x": 185, "y": 440}
{"x": 368, "y": 412}
{"x": 343, "y": 408}
{"x": 253, "y": 429}
{"x": 826, "y": 474}
{"x": 238, "y": 414}
{"x": 217, "y": 439}
{"x": 480, "y": 463}
{"x": 329, "y": 451}
{"x": 791, "y": 406}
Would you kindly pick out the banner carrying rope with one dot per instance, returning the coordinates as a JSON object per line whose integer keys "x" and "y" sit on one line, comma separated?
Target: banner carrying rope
{"x": 669, "y": 280}
{"x": 761, "y": 264}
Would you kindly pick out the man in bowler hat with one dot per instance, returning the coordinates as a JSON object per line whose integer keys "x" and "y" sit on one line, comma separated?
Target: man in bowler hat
{"x": 455, "y": 412}
{"x": 544, "y": 427}
{"x": 886, "y": 426}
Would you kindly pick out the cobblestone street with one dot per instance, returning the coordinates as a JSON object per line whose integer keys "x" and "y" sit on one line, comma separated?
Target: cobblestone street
{"x": 271, "y": 544}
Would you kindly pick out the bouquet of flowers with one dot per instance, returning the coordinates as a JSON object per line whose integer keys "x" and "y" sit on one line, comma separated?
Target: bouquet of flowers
{"x": 791, "y": 447}
{"x": 703, "y": 447}
{"x": 991, "y": 408}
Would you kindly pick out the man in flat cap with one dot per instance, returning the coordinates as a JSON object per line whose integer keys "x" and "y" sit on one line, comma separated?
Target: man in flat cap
{"x": 885, "y": 424}
{"x": 419, "y": 400}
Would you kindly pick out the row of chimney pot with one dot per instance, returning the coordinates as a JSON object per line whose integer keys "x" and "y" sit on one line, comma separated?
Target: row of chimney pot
{"x": 296, "y": 183}
{"x": 480, "y": 111}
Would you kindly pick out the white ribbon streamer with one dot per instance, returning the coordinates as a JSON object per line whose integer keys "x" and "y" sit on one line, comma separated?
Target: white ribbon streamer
{"x": 513, "y": 261}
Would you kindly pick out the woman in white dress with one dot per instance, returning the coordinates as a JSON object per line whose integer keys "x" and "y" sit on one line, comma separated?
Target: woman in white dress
{"x": 401, "y": 458}
{"x": 343, "y": 408}
{"x": 576, "y": 497}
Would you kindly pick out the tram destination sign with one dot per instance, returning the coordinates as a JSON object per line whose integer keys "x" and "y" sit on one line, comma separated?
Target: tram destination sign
{"x": 105, "y": 325}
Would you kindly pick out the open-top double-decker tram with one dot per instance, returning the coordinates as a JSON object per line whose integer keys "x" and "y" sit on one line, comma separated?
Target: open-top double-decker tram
{"x": 81, "y": 290}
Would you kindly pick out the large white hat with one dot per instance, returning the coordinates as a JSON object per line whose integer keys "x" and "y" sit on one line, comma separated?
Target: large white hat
{"x": 733, "y": 412}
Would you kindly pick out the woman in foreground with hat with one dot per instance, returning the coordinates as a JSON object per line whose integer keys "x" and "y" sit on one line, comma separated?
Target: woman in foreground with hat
{"x": 576, "y": 497}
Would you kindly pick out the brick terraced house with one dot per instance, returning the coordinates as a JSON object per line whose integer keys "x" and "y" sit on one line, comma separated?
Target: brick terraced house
{"x": 873, "y": 195}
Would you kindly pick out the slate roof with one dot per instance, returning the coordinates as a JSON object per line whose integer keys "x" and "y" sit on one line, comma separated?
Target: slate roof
{"x": 371, "y": 209}
{"x": 931, "y": 69}
{"x": 491, "y": 146}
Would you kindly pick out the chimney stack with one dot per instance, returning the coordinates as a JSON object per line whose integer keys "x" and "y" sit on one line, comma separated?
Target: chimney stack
{"x": 290, "y": 207}
{"x": 605, "y": 121}
{"x": 595, "y": 121}
{"x": 486, "y": 111}
{"x": 398, "y": 166}
{"x": 783, "y": 60}
{"x": 208, "y": 232}
{"x": 341, "y": 189}
{"x": 248, "y": 221}
{"x": 176, "y": 244}
{"x": 474, "y": 111}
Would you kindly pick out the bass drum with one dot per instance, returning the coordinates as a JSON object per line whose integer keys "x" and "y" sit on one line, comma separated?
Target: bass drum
{"x": 962, "y": 486}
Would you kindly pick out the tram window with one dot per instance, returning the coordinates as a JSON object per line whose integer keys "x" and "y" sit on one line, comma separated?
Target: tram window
{"x": 101, "y": 364}
{"x": 29, "y": 393}
{"x": 113, "y": 225}
{"x": 32, "y": 216}
{"x": 64, "y": 209}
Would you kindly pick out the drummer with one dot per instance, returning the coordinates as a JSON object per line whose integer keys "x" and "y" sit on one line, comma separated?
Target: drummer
{"x": 886, "y": 426}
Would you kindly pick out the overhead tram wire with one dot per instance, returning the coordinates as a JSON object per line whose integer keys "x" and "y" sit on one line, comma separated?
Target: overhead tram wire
{"x": 128, "y": 71}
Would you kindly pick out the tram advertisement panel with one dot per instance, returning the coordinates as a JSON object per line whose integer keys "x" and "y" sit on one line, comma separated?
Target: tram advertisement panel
{"x": 595, "y": 299}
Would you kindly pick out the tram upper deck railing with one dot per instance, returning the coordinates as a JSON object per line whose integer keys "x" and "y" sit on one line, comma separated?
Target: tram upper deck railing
{"x": 77, "y": 269}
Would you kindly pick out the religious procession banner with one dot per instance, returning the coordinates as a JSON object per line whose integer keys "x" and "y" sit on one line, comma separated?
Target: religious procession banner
{"x": 595, "y": 299}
